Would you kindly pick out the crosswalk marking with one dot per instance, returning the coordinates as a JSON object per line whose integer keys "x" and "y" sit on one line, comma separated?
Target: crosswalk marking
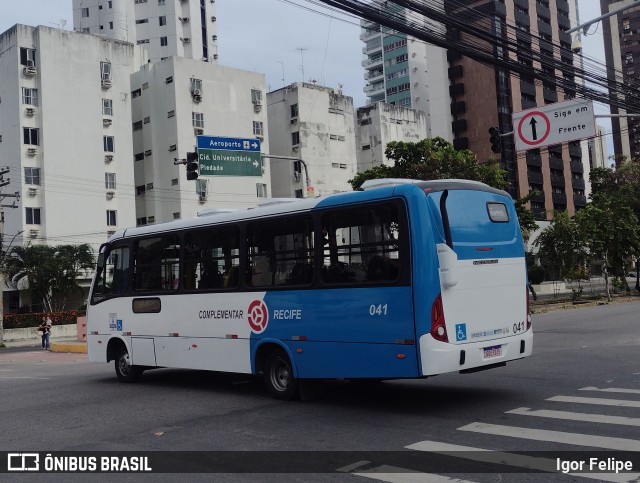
{"x": 592, "y": 418}
{"x": 620, "y": 444}
{"x": 395, "y": 474}
{"x": 596, "y": 400}
{"x": 611, "y": 389}
{"x": 512, "y": 459}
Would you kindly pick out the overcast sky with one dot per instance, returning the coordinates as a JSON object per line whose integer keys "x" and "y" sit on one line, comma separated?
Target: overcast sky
{"x": 266, "y": 35}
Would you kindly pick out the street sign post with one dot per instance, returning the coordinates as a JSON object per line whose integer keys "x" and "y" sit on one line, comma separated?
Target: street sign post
{"x": 221, "y": 156}
{"x": 556, "y": 123}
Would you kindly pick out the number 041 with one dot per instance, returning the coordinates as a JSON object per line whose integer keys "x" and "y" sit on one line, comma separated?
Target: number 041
{"x": 378, "y": 309}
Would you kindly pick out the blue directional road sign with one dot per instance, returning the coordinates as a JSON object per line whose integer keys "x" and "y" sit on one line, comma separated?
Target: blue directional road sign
{"x": 219, "y": 156}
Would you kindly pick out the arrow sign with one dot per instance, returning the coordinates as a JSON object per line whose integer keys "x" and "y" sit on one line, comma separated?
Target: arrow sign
{"x": 530, "y": 137}
{"x": 222, "y": 156}
{"x": 533, "y": 128}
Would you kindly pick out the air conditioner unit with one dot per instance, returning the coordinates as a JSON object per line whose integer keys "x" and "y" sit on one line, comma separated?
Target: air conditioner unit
{"x": 186, "y": 40}
{"x": 106, "y": 122}
{"x": 30, "y": 63}
{"x": 34, "y": 233}
{"x": 196, "y": 92}
{"x": 197, "y": 98}
{"x": 183, "y": 19}
{"x": 110, "y": 195}
{"x": 296, "y": 148}
{"x": 215, "y": 56}
{"x": 110, "y": 233}
{"x": 296, "y": 175}
{"x": 29, "y": 71}
{"x": 214, "y": 37}
{"x": 32, "y": 151}
{"x": 198, "y": 131}
{"x": 257, "y": 106}
{"x": 33, "y": 191}
{"x": 108, "y": 158}
{"x": 213, "y": 19}
{"x": 173, "y": 147}
{"x": 202, "y": 198}
{"x": 106, "y": 83}
{"x": 30, "y": 111}
{"x": 294, "y": 120}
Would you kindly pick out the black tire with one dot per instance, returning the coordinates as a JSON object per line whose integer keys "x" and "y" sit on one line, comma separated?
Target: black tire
{"x": 124, "y": 370}
{"x": 278, "y": 376}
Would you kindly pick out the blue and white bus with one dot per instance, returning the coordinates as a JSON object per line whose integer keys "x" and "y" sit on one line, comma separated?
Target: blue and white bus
{"x": 405, "y": 279}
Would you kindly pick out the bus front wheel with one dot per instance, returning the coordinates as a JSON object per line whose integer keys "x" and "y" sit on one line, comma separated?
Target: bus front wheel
{"x": 125, "y": 371}
{"x": 278, "y": 376}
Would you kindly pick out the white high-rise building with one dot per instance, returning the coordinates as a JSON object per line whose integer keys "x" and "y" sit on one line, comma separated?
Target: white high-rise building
{"x": 65, "y": 125}
{"x": 183, "y": 28}
{"x": 406, "y": 72}
{"x": 174, "y": 101}
{"x": 379, "y": 124}
{"x": 314, "y": 127}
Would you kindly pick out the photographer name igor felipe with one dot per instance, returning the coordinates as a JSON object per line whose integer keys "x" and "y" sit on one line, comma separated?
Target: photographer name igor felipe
{"x": 609, "y": 465}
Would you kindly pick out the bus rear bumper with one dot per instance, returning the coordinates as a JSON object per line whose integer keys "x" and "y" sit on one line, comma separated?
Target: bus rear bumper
{"x": 441, "y": 357}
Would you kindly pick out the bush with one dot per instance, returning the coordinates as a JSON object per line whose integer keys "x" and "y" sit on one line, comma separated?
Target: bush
{"x": 536, "y": 274}
{"x": 18, "y": 321}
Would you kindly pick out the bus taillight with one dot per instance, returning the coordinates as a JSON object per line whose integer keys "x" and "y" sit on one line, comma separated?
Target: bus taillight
{"x": 438, "y": 326}
{"x": 528, "y": 314}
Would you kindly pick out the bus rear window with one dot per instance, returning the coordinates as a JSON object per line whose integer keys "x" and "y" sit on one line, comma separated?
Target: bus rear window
{"x": 498, "y": 212}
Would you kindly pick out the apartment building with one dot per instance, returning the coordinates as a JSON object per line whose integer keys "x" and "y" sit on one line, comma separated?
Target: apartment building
{"x": 403, "y": 71}
{"x": 174, "y": 101}
{"x": 379, "y": 124}
{"x": 314, "y": 128}
{"x": 183, "y": 28}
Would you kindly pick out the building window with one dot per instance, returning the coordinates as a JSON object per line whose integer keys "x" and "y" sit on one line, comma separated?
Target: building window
{"x": 163, "y": 41}
{"x": 85, "y": 12}
{"x": 33, "y": 216}
{"x": 628, "y": 58}
{"x": 163, "y": 20}
{"x": 32, "y": 176}
{"x": 257, "y": 128}
{"x": 108, "y": 144}
{"x": 171, "y": 113}
{"x": 294, "y": 110}
{"x": 105, "y": 71}
{"x": 30, "y": 96}
{"x": 112, "y": 217}
{"x": 140, "y": 190}
{"x": 256, "y": 96}
{"x": 261, "y": 190}
{"x": 28, "y": 57}
{"x": 142, "y": 20}
{"x": 136, "y": 93}
{"x": 107, "y": 107}
{"x": 197, "y": 119}
{"x": 298, "y": 193}
{"x": 137, "y": 126}
{"x": 174, "y": 182}
{"x": 176, "y": 215}
{"x": 195, "y": 84}
{"x": 111, "y": 25}
{"x": 160, "y": 2}
{"x": 138, "y": 157}
{"x": 30, "y": 135}
{"x": 110, "y": 3}
{"x": 295, "y": 138}
{"x": 110, "y": 181}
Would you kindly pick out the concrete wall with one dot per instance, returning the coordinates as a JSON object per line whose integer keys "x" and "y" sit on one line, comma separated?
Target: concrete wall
{"x": 27, "y": 333}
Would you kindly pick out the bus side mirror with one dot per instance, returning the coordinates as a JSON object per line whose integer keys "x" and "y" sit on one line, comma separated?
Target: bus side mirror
{"x": 448, "y": 260}
{"x": 100, "y": 260}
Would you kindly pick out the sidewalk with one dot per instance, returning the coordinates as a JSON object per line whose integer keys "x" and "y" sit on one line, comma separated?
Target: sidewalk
{"x": 59, "y": 344}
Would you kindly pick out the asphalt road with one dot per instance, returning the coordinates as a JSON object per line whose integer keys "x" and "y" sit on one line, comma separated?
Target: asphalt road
{"x": 580, "y": 391}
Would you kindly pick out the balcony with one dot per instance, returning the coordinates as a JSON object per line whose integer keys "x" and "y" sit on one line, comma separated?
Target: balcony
{"x": 373, "y": 89}
{"x": 374, "y": 75}
{"x": 534, "y": 159}
{"x": 535, "y": 178}
{"x": 367, "y": 34}
{"x": 461, "y": 143}
{"x": 522, "y": 4}
{"x": 455, "y": 72}
{"x": 556, "y": 163}
{"x": 370, "y": 62}
{"x": 542, "y": 10}
{"x": 549, "y": 95}
{"x": 527, "y": 88}
{"x": 522, "y": 18}
{"x": 456, "y": 89}
{"x": 575, "y": 150}
{"x": 576, "y": 167}
{"x": 577, "y": 183}
{"x": 559, "y": 198}
{"x": 544, "y": 28}
{"x": 538, "y": 197}
{"x": 580, "y": 200}
{"x": 458, "y": 108}
{"x": 527, "y": 103}
{"x": 557, "y": 181}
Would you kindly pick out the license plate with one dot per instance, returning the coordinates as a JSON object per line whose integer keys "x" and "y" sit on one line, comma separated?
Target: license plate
{"x": 493, "y": 351}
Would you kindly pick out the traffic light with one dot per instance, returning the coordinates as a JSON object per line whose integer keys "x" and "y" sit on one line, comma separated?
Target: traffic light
{"x": 192, "y": 166}
{"x": 496, "y": 140}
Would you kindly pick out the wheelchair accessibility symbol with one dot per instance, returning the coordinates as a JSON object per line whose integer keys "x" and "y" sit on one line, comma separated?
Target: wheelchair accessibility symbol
{"x": 461, "y": 332}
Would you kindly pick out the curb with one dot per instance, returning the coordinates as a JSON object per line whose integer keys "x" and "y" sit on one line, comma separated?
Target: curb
{"x": 76, "y": 347}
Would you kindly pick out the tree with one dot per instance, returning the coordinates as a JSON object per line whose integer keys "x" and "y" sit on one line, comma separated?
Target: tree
{"x": 562, "y": 246}
{"x": 51, "y": 272}
{"x": 433, "y": 158}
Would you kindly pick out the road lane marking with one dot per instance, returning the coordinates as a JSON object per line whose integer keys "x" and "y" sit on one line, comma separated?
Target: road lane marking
{"x": 619, "y": 444}
{"x": 591, "y": 418}
{"x": 23, "y": 377}
{"x": 512, "y": 459}
{"x": 596, "y": 400}
{"x": 611, "y": 389}
{"x": 394, "y": 474}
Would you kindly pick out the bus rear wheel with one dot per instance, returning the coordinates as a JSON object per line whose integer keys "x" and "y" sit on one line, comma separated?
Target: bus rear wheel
{"x": 278, "y": 376}
{"x": 125, "y": 371}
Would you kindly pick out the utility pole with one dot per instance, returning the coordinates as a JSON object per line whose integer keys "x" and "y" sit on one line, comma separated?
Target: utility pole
{"x": 16, "y": 196}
